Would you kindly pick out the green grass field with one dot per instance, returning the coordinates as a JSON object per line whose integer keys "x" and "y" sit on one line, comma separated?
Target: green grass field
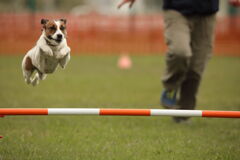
{"x": 95, "y": 81}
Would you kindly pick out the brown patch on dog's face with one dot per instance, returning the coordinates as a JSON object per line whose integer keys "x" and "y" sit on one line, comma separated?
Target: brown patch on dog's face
{"x": 50, "y": 28}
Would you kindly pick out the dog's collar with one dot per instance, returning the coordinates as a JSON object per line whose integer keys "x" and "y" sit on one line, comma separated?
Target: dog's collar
{"x": 49, "y": 43}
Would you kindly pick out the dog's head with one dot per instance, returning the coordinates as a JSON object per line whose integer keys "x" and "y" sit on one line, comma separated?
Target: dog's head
{"x": 54, "y": 30}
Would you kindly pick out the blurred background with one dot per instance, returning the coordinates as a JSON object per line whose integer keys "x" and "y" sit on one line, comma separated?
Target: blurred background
{"x": 98, "y": 27}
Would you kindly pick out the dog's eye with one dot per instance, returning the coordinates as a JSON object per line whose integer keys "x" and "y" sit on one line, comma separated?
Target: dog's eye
{"x": 62, "y": 28}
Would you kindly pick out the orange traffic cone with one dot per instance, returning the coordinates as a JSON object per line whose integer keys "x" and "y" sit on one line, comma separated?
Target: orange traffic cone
{"x": 124, "y": 62}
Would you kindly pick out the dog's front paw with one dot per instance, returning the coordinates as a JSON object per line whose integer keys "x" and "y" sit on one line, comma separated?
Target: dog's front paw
{"x": 60, "y": 55}
{"x": 63, "y": 52}
{"x": 46, "y": 50}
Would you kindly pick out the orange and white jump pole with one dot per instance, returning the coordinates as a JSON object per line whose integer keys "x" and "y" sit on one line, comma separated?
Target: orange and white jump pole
{"x": 118, "y": 112}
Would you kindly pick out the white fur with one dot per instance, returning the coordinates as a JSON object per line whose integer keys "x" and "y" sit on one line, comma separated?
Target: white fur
{"x": 46, "y": 57}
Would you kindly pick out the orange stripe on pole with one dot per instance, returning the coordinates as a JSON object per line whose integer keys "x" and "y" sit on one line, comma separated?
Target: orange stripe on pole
{"x": 221, "y": 114}
{"x": 18, "y": 111}
{"x": 126, "y": 112}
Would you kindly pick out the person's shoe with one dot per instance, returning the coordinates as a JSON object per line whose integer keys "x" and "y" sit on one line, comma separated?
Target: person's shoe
{"x": 169, "y": 99}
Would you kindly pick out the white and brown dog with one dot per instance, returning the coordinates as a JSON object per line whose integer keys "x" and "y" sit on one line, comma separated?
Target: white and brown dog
{"x": 51, "y": 49}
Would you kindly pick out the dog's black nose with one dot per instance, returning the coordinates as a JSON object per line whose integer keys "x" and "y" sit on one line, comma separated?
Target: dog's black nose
{"x": 59, "y": 36}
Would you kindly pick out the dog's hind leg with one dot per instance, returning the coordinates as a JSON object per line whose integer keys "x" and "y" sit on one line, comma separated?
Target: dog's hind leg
{"x": 37, "y": 77}
{"x": 27, "y": 76}
{"x": 42, "y": 76}
{"x": 27, "y": 69}
{"x": 35, "y": 80}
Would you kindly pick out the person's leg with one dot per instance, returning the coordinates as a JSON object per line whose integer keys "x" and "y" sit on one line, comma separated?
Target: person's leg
{"x": 202, "y": 44}
{"x": 188, "y": 93}
{"x": 188, "y": 90}
{"x": 177, "y": 36}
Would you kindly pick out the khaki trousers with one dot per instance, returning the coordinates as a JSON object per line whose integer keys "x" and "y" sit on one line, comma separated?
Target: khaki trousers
{"x": 190, "y": 43}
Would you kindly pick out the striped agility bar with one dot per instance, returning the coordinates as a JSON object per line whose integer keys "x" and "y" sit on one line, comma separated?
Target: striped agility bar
{"x": 118, "y": 112}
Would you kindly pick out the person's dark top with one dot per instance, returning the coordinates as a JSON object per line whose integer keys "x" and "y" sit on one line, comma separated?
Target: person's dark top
{"x": 192, "y": 7}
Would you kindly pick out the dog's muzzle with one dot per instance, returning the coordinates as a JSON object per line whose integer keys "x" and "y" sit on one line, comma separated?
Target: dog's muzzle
{"x": 59, "y": 38}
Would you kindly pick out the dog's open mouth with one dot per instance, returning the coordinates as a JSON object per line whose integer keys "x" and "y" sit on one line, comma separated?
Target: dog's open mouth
{"x": 58, "y": 40}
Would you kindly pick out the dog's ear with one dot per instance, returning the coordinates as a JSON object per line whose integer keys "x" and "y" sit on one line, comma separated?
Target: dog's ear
{"x": 44, "y": 21}
{"x": 64, "y": 21}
